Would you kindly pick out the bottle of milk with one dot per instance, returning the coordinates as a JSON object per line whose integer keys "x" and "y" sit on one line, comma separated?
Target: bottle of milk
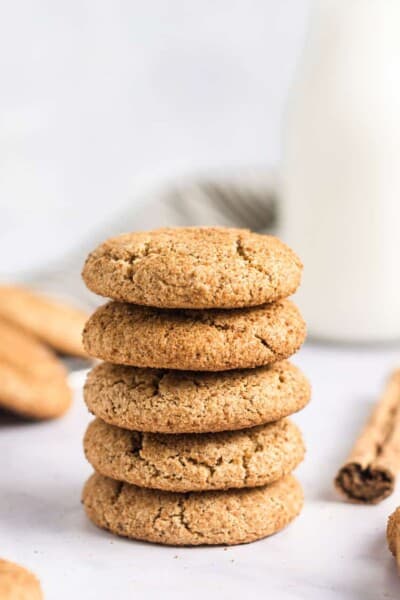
{"x": 341, "y": 171}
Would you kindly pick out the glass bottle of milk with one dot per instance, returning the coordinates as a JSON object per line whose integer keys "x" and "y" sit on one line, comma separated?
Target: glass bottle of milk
{"x": 341, "y": 171}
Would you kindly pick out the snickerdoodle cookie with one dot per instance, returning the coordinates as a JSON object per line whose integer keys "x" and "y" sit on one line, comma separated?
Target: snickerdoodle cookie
{"x": 208, "y": 340}
{"x": 33, "y": 380}
{"x": 195, "y": 462}
{"x": 17, "y": 583}
{"x": 194, "y": 402}
{"x": 195, "y": 518}
{"x": 393, "y": 533}
{"x": 193, "y": 267}
{"x": 49, "y": 320}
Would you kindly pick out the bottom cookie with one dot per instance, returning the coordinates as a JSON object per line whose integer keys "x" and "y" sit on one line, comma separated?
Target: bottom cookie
{"x": 192, "y": 519}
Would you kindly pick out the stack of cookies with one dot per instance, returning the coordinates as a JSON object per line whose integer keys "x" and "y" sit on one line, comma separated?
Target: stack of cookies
{"x": 191, "y": 444}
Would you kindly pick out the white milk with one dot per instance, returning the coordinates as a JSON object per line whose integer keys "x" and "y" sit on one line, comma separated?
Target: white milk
{"x": 341, "y": 171}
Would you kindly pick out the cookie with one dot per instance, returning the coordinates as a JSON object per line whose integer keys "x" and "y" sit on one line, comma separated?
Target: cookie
{"x": 192, "y": 519}
{"x": 33, "y": 380}
{"x": 17, "y": 583}
{"x": 195, "y": 462}
{"x": 51, "y": 321}
{"x": 393, "y": 532}
{"x": 194, "y": 402}
{"x": 193, "y": 267}
{"x": 208, "y": 340}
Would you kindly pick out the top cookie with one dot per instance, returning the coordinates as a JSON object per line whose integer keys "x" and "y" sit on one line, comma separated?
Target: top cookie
{"x": 193, "y": 267}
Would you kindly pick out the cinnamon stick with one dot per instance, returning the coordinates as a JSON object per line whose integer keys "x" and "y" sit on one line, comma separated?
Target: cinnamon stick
{"x": 368, "y": 476}
{"x": 393, "y": 535}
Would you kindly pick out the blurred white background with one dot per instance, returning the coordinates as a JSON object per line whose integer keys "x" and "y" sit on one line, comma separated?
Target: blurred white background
{"x": 101, "y": 98}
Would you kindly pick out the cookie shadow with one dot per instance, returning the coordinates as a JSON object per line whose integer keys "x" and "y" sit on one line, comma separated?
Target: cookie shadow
{"x": 8, "y": 418}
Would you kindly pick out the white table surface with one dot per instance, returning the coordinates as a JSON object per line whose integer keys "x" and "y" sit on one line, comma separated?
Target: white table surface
{"x": 333, "y": 550}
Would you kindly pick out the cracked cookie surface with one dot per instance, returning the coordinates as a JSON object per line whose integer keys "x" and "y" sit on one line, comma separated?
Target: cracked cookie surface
{"x": 207, "y": 340}
{"x": 155, "y": 400}
{"x": 17, "y": 583}
{"x": 193, "y": 267}
{"x": 195, "y": 518}
{"x": 195, "y": 462}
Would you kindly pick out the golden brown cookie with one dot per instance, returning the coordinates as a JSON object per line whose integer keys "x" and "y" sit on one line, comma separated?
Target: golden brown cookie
{"x": 17, "y": 583}
{"x": 51, "y": 321}
{"x": 393, "y": 534}
{"x": 208, "y": 340}
{"x": 194, "y": 402}
{"x": 195, "y": 462}
{"x": 193, "y": 267}
{"x": 33, "y": 380}
{"x": 192, "y": 519}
